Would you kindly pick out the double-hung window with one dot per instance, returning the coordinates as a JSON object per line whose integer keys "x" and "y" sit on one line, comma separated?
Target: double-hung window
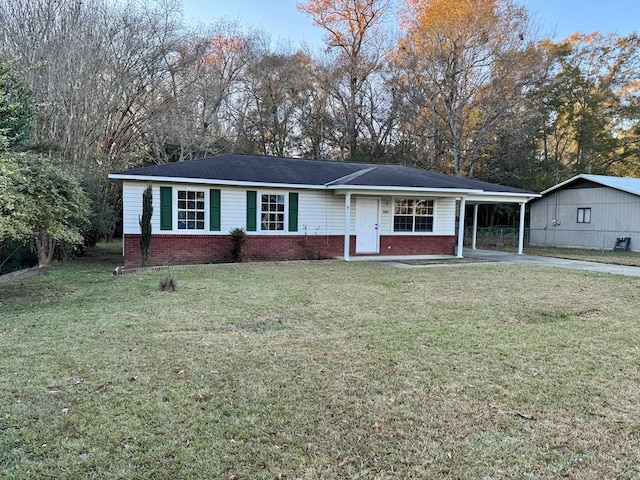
{"x": 584, "y": 215}
{"x": 272, "y": 212}
{"x": 412, "y": 215}
{"x": 191, "y": 207}
{"x": 191, "y": 210}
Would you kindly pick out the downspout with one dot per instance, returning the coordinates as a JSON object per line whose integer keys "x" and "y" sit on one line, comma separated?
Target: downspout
{"x": 347, "y": 224}
{"x": 463, "y": 205}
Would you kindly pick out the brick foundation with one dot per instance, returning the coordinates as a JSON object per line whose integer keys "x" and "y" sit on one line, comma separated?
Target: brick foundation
{"x": 409, "y": 245}
{"x": 185, "y": 249}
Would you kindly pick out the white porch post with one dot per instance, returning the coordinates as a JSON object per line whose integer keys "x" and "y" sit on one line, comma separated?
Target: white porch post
{"x": 347, "y": 224}
{"x": 475, "y": 226}
{"x": 463, "y": 204}
{"x": 521, "y": 233}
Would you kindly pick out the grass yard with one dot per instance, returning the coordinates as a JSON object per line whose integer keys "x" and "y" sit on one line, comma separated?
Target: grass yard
{"x": 320, "y": 370}
{"x": 602, "y": 256}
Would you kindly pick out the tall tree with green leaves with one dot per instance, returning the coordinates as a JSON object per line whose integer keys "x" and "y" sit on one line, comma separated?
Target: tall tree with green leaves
{"x": 16, "y": 107}
{"x": 591, "y": 106}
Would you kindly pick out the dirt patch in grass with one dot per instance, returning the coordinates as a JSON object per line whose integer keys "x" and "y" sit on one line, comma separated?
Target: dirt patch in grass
{"x": 19, "y": 293}
{"x": 109, "y": 256}
{"x": 18, "y": 274}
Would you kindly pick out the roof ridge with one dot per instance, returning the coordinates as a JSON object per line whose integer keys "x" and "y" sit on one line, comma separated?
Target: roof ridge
{"x": 351, "y": 176}
{"x": 611, "y": 181}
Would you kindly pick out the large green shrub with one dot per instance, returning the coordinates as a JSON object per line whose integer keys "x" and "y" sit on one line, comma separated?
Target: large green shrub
{"x": 40, "y": 200}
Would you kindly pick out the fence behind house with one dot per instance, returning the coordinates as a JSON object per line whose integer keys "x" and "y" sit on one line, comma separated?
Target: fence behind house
{"x": 507, "y": 237}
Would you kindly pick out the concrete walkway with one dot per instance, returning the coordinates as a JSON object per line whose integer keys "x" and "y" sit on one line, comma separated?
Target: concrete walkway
{"x": 492, "y": 257}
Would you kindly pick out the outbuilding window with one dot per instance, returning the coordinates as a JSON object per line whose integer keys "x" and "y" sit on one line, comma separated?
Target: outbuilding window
{"x": 412, "y": 215}
{"x": 584, "y": 215}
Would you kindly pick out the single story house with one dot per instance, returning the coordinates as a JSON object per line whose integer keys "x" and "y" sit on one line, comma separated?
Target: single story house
{"x": 588, "y": 211}
{"x": 293, "y": 208}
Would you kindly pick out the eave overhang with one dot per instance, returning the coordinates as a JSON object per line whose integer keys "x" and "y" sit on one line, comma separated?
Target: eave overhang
{"x": 118, "y": 177}
{"x": 471, "y": 195}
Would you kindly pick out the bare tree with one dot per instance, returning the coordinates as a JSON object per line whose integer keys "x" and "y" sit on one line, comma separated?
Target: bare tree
{"x": 204, "y": 93}
{"x": 278, "y": 86}
{"x": 354, "y": 32}
{"x": 94, "y": 68}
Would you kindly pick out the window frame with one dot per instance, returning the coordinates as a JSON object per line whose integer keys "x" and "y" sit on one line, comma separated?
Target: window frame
{"x": 583, "y": 215}
{"x": 430, "y": 205}
{"x": 204, "y": 210}
{"x": 284, "y": 212}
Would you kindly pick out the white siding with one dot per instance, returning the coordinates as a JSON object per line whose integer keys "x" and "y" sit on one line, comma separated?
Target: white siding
{"x": 444, "y": 222}
{"x": 444, "y": 216}
{"x": 233, "y": 209}
{"x": 319, "y": 212}
{"x": 386, "y": 215}
{"x": 132, "y": 206}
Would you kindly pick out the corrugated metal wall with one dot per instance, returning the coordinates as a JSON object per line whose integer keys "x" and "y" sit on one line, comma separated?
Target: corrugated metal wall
{"x": 614, "y": 214}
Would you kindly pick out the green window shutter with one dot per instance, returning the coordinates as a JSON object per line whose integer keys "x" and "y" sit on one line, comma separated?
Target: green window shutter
{"x": 214, "y": 209}
{"x": 293, "y": 212}
{"x": 252, "y": 213}
{"x": 166, "y": 209}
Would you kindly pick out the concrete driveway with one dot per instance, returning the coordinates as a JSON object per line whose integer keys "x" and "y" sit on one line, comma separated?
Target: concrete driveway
{"x": 488, "y": 257}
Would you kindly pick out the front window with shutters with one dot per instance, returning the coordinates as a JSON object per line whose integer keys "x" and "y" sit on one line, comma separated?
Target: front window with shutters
{"x": 191, "y": 210}
{"x": 272, "y": 210}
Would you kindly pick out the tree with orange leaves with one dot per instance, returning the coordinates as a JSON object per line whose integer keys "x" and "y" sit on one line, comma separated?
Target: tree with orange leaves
{"x": 353, "y": 31}
{"x": 469, "y": 58}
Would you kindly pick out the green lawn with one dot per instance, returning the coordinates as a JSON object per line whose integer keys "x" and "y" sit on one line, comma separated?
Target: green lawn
{"x": 320, "y": 370}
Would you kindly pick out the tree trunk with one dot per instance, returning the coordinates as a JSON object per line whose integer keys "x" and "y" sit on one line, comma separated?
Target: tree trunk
{"x": 45, "y": 246}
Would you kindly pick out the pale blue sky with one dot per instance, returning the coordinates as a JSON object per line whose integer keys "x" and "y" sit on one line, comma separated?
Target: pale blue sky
{"x": 556, "y": 18}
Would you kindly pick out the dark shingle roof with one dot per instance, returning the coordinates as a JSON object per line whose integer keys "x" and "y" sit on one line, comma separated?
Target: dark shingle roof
{"x": 295, "y": 171}
{"x": 397, "y": 175}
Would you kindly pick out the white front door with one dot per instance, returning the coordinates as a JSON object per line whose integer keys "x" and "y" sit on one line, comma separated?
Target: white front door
{"x": 367, "y": 239}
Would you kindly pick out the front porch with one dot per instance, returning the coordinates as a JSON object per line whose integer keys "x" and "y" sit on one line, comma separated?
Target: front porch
{"x": 371, "y": 227}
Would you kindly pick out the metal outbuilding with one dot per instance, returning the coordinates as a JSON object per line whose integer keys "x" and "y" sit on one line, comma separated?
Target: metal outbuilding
{"x": 588, "y": 211}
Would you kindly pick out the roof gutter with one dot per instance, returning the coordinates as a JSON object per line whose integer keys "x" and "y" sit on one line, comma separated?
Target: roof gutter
{"x": 118, "y": 177}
